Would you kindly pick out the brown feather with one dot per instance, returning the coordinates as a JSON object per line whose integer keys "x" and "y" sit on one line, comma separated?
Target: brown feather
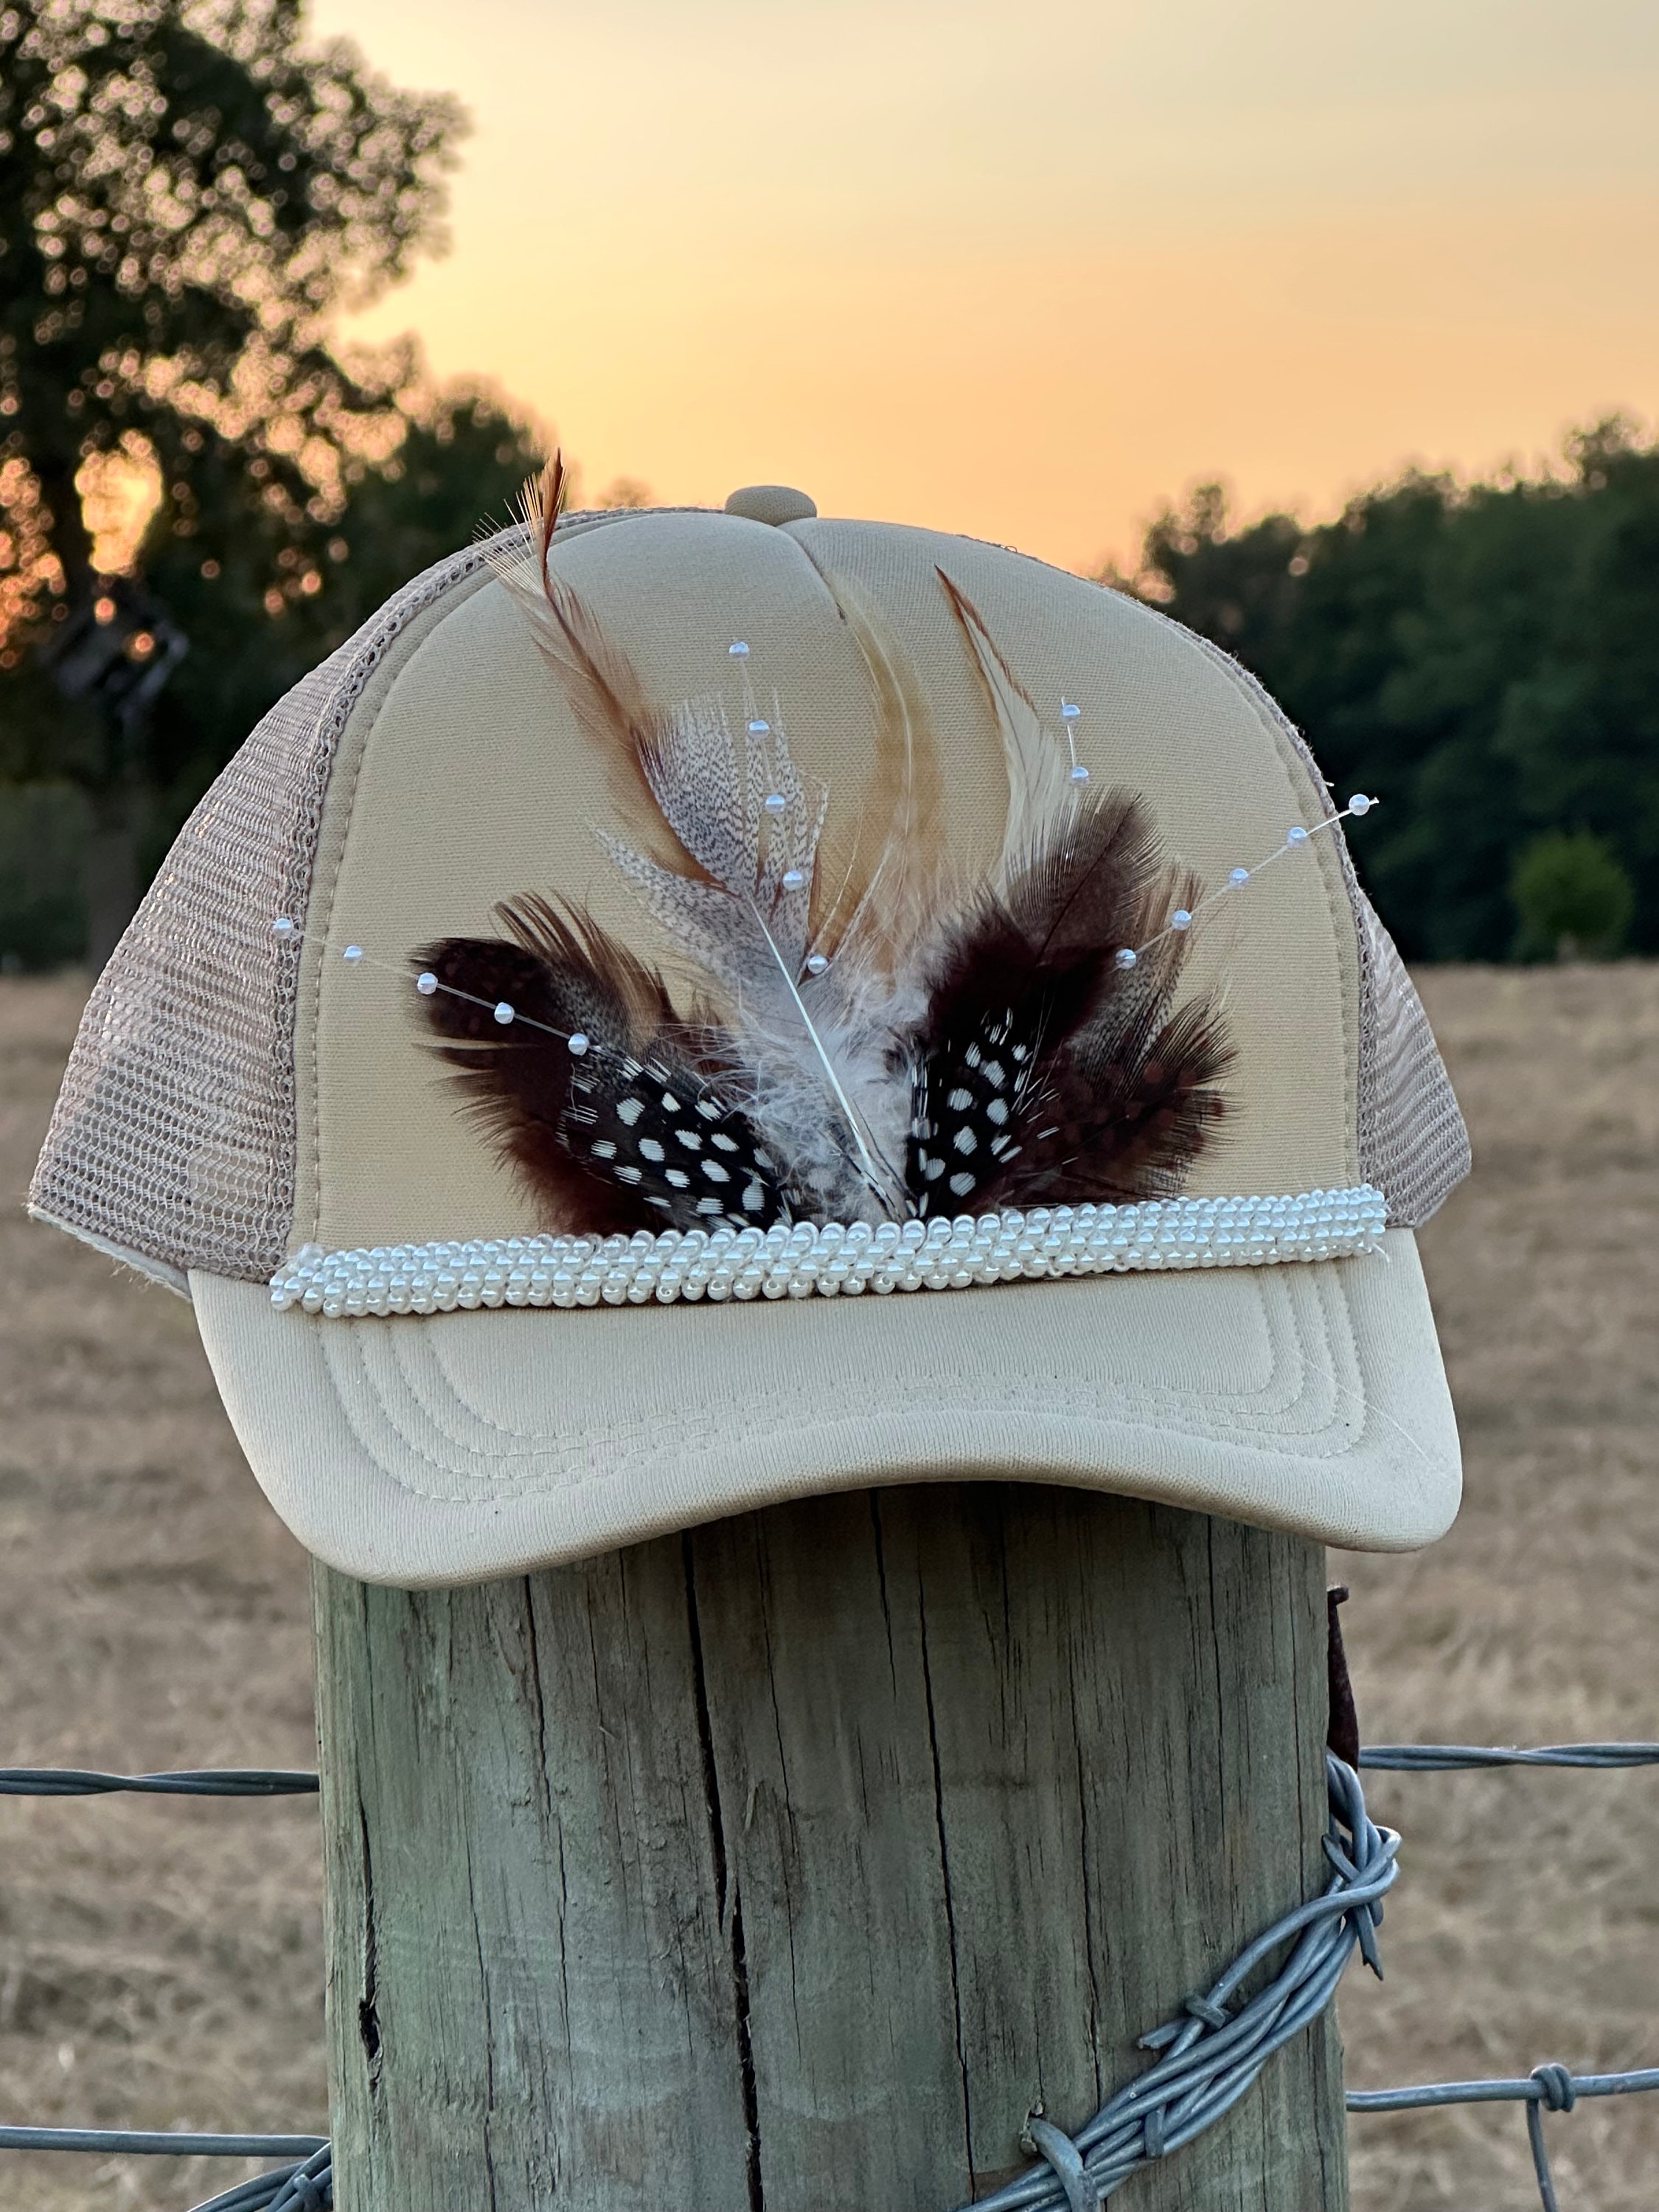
{"x": 1124, "y": 1113}
{"x": 597, "y": 677}
{"x": 1042, "y": 1064}
{"x": 641, "y": 1128}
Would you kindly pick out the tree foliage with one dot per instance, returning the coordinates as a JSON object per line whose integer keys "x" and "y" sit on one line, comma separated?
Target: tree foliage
{"x": 188, "y": 194}
{"x": 1572, "y": 897}
{"x": 185, "y": 195}
{"x": 1485, "y": 658}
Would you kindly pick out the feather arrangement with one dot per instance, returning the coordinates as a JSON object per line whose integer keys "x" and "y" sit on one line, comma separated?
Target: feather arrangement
{"x": 875, "y": 1041}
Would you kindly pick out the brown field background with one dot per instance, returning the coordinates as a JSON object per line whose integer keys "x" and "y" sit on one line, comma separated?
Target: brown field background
{"x": 161, "y": 1964}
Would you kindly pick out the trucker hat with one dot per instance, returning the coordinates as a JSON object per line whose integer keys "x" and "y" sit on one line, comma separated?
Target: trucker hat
{"x": 687, "y": 1010}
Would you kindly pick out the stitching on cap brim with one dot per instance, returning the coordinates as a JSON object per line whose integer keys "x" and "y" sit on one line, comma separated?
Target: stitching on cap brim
{"x": 391, "y": 1449}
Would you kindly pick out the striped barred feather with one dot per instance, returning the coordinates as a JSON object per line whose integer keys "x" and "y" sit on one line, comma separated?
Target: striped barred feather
{"x": 641, "y": 1129}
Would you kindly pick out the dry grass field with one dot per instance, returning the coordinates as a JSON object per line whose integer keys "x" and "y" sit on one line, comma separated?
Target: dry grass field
{"x": 160, "y": 1963}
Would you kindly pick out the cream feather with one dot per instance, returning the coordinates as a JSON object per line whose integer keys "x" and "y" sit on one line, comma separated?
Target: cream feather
{"x": 1042, "y": 800}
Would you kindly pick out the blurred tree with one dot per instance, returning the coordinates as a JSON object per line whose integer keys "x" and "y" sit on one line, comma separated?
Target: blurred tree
{"x": 1486, "y": 659}
{"x": 186, "y": 194}
{"x": 624, "y": 492}
{"x": 462, "y": 456}
{"x": 1573, "y": 898}
{"x": 43, "y": 835}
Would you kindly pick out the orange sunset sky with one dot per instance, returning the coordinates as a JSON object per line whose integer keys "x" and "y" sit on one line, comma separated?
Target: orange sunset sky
{"x": 1024, "y": 270}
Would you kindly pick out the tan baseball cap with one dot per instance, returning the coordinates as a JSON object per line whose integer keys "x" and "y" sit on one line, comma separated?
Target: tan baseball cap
{"x": 707, "y": 1008}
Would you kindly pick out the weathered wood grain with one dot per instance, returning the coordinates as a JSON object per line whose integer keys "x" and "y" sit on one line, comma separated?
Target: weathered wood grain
{"x": 782, "y": 1867}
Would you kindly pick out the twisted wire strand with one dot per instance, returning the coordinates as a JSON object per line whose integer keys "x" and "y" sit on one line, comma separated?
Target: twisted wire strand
{"x": 136, "y": 2142}
{"x": 1210, "y": 2055}
{"x": 1444, "y": 1758}
{"x": 307, "y": 2187}
{"x": 281, "y": 1782}
{"x": 189, "y": 1781}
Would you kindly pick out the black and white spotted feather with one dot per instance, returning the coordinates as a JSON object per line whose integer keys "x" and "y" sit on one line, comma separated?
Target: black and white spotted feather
{"x": 639, "y": 1124}
{"x": 1029, "y": 1015}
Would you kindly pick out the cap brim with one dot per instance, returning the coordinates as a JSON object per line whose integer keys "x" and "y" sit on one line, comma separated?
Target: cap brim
{"x": 458, "y": 1447}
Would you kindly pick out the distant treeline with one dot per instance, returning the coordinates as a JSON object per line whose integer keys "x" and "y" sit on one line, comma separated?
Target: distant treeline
{"x": 1484, "y": 658}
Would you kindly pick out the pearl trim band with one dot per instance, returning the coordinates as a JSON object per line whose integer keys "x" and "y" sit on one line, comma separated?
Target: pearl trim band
{"x": 786, "y": 1261}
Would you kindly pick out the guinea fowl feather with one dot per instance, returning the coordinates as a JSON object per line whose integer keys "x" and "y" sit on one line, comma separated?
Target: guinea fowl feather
{"x": 1030, "y": 1008}
{"x": 643, "y": 1126}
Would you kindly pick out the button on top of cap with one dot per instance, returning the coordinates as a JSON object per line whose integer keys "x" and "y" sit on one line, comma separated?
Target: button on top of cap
{"x": 772, "y": 503}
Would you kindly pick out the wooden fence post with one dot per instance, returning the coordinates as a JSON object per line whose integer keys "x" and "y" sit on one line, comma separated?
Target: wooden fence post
{"x": 781, "y": 1867}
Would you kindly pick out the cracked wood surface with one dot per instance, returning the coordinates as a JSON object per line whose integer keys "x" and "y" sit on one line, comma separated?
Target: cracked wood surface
{"x": 781, "y": 1867}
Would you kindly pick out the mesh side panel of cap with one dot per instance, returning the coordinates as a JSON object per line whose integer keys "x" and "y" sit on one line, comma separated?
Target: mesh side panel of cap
{"x": 1414, "y": 1146}
{"x": 174, "y": 1141}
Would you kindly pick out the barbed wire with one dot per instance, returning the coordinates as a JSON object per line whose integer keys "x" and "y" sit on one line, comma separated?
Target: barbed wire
{"x": 1210, "y": 2055}
{"x": 307, "y": 2187}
